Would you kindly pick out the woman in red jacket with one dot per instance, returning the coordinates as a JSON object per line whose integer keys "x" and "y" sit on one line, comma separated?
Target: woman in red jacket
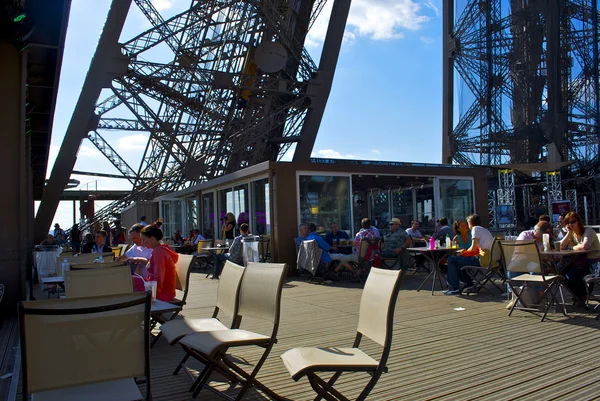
{"x": 161, "y": 266}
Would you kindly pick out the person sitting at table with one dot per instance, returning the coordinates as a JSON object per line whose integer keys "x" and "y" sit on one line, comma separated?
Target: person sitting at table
{"x": 138, "y": 255}
{"x": 544, "y": 217}
{"x": 99, "y": 244}
{"x": 59, "y": 240}
{"x": 396, "y": 242}
{"x": 442, "y": 231}
{"x": 575, "y": 267}
{"x": 413, "y": 231}
{"x": 197, "y": 237}
{"x": 325, "y": 256}
{"x": 235, "y": 254}
{"x": 161, "y": 266}
{"x": 462, "y": 236}
{"x": 559, "y": 228}
{"x": 482, "y": 239}
{"x": 336, "y": 235}
{"x": 365, "y": 232}
{"x": 48, "y": 241}
{"x": 177, "y": 238}
{"x": 304, "y": 231}
{"x": 537, "y": 235}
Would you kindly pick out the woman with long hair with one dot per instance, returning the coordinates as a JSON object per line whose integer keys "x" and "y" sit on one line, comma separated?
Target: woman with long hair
{"x": 161, "y": 266}
{"x": 228, "y": 226}
{"x": 463, "y": 234}
{"x": 575, "y": 267}
{"x": 75, "y": 238}
{"x": 106, "y": 228}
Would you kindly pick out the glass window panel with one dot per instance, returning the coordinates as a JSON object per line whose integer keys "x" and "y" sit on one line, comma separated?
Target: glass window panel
{"x": 171, "y": 214}
{"x": 191, "y": 214}
{"x": 324, "y": 200}
{"x": 380, "y": 209}
{"x": 402, "y": 205}
{"x": 233, "y": 200}
{"x": 261, "y": 215}
{"x": 208, "y": 215}
{"x": 425, "y": 208}
{"x": 456, "y": 198}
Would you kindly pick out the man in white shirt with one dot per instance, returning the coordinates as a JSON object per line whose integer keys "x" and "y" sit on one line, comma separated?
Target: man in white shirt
{"x": 137, "y": 256}
{"x": 480, "y": 245}
{"x": 413, "y": 231}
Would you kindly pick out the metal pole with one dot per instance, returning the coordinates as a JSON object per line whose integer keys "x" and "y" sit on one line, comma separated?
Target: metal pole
{"x": 585, "y": 210}
{"x": 449, "y": 51}
{"x": 322, "y": 82}
{"x": 84, "y": 110}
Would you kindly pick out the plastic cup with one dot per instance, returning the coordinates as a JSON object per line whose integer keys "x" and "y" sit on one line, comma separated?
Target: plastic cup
{"x": 151, "y": 286}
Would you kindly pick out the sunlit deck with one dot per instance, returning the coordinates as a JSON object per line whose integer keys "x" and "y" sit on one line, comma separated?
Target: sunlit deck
{"x": 437, "y": 353}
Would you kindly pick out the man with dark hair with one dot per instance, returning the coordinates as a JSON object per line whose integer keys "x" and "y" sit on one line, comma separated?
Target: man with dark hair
{"x": 442, "y": 231}
{"x": 138, "y": 253}
{"x": 99, "y": 245}
{"x": 117, "y": 233}
{"x": 143, "y": 221}
{"x": 335, "y": 235}
{"x": 544, "y": 217}
{"x": 235, "y": 251}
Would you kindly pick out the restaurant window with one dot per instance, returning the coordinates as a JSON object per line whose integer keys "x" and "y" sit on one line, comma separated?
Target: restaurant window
{"x": 379, "y": 209}
{"x": 233, "y": 200}
{"x": 171, "y": 214}
{"x": 191, "y": 215}
{"x": 425, "y": 208}
{"x": 456, "y": 199}
{"x": 324, "y": 200}
{"x": 402, "y": 205}
{"x": 261, "y": 214}
{"x": 208, "y": 216}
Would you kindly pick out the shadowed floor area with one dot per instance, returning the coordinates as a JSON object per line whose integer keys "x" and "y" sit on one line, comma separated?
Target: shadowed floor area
{"x": 438, "y": 352}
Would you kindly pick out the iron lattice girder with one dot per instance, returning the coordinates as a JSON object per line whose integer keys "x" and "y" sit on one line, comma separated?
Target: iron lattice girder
{"x": 502, "y": 60}
{"x": 103, "y": 146}
{"x": 210, "y": 106}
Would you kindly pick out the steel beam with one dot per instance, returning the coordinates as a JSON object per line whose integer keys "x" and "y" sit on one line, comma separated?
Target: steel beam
{"x": 449, "y": 52}
{"x": 322, "y": 83}
{"x": 78, "y": 126}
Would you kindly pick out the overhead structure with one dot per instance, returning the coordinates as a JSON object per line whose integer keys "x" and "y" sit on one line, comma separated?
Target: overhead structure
{"x": 528, "y": 83}
{"x": 218, "y": 87}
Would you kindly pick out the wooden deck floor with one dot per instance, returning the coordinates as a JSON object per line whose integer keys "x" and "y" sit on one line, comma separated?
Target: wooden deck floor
{"x": 438, "y": 352}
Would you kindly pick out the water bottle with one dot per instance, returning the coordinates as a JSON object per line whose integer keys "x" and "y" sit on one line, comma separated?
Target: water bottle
{"x": 431, "y": 243}
{"x": 65, "y": 266}
{"x": 100, "y": 259}
{"x": 448, "y": 243}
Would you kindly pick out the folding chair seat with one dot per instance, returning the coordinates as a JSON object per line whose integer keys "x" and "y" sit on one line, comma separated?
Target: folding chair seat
{"x": 523, "y": 258}
{"x": 183, "y": 268}
{"x": 227, "y": 302}
{"x": 375, "y": 321}
{"x": 92, "y": 349}
{"x": 482, "y": 275}
{"x": 260, "y": 298}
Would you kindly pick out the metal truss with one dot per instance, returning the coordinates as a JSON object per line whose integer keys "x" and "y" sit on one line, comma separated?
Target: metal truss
{"x": 530, "y": 72}
{"x": 554, "y": 187}
{"x": 193, "y": 85}
{"x": 506, "y": 198}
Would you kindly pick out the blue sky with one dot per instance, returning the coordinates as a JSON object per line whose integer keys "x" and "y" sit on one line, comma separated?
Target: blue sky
{"x": 385, "y": 103}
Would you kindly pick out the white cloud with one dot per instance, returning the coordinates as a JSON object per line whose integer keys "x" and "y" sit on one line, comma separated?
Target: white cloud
{"x": 376, "y": 151}
{"x": 88, "y": 152}
{"x": 133, "y": 142}
{"x": 332, "y": 154}
{"x": 427, "y": 40}
{"x": 429, "y": 4}
{"x": 161, "y": 5}
{"x": 375, "y": 19}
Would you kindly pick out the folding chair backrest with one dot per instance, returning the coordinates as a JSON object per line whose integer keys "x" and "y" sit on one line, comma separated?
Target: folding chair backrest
{"x": 183, "y": 268}
{"x": 377, "y": 304}
{"x": 365, "y": 245}
{"x": 74, "y": 342}
{"x": 496, "y": 254}
{"x": 82, "y": 259}
{"x": 260, "y": 291}
{"x": 117, "y": 250}
{"x": 206, "y": 243}
{"x": 88, "y": 266}
{"x": 229, "y": 288}
{"x": 309, "y": 256}
{"x": 98, "y": 282}
{"x": 521, "y": 256}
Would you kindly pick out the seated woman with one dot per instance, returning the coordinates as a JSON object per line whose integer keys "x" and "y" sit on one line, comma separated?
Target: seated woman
{"x": 161, "y": 266}
{"x": 575, "y": 267}
{"x": 462, "y": 235}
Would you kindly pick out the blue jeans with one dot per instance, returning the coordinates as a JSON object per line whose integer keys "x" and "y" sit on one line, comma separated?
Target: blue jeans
{"x": 454, "y": 272}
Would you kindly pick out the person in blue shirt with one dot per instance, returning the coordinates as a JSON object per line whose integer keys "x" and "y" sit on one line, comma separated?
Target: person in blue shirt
{"x": 303, "y": 228}
{"x": 337, "y": 235}
{"x": 325, "y": 256}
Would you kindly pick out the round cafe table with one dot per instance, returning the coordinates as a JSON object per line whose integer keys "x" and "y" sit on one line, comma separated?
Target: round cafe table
{"x": 434, "y": 256}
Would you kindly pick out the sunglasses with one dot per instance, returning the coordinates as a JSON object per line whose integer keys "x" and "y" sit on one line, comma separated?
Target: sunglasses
{"x": 572, "y": 222}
